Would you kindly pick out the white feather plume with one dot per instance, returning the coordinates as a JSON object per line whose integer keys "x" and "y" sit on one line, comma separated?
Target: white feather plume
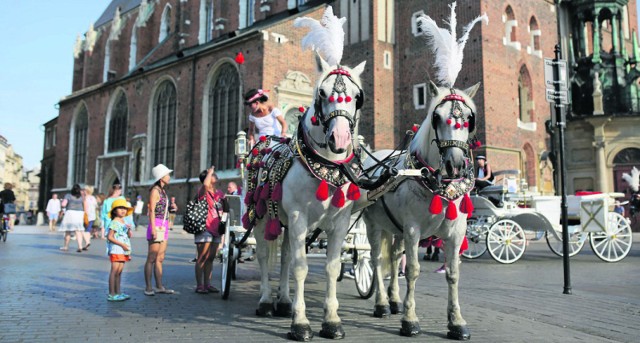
{"x": 326, "y": 36}
{"x": 633, "y": 180}
{"x": 445, "y": 46}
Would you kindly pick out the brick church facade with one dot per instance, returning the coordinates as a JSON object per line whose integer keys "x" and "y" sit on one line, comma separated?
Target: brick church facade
{"x": 155, "y": 81}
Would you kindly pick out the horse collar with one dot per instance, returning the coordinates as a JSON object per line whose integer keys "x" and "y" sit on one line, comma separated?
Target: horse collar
{"x": 449, "y": 189}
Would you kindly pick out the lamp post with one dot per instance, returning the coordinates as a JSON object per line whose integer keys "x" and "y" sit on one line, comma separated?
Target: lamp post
{"x": 241, "y": 152}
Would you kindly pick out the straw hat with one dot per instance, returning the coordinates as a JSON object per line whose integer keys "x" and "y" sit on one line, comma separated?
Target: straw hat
{"x": 160, "y": 171}
{"x": 121, "y": 203}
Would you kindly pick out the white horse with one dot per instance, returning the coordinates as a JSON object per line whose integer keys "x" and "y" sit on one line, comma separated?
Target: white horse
{"x": 415, "y": 210}
{"x": 300, "y": 199}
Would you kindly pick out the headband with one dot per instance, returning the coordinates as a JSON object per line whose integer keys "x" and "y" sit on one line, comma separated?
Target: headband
{"x": 257, "y": 96}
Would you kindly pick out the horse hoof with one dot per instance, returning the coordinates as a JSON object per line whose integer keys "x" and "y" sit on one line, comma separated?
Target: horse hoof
{"x": 395, "y": 307}
{"x": 381, "y": 311}
{"x": 300, "y": 332}
{"x": 460, "y": 333}
{"x": 283, "y": 310}
{"x": 265, "y": 310}
{"x": 410, "y": 329}
{"x": 332, "y": 331}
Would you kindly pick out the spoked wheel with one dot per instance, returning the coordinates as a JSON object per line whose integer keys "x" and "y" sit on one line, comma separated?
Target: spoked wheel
{"x": 506, "y": 241}
{"x": 227, "y": 265}
{"x": 576, "y": 242}
{"x": 363, "y": 267}
{"x": 340, "y": 275}
{"x": 476, "y": 237}
{"x": 613, "y": 245}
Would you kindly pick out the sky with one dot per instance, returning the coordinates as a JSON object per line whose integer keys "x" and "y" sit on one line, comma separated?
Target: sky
{"x": 36, "y": 65}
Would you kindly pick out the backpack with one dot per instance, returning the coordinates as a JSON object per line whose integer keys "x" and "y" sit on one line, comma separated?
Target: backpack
{"x": 195, "y": 217}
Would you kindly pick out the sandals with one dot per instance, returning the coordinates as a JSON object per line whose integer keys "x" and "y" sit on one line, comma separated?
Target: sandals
{"x": 165, "y": 291}
{"x": 212, "y": 289}
{"x": 150, "y": 293}
{"x": 117, "y": 297}
{"x": 201, "y": 290}
{"x": 86, "y": 247}
{"x": 64, "y": 249}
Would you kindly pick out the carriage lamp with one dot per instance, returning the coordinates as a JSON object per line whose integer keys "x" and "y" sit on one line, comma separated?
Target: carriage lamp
{"x": 241, "y": 150}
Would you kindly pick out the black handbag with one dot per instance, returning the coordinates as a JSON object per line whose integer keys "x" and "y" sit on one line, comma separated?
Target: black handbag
{"x": 195, "y": 217}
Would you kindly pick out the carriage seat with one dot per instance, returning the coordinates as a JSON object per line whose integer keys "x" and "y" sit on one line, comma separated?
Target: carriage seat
{"x": 494, "y": 194}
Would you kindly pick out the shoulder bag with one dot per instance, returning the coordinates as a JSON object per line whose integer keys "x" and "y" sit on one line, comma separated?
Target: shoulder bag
{"x": 195, "y": 217}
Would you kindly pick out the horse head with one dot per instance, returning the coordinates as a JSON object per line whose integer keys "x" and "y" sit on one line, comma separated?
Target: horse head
{"x": 444, "y": 135}
{"x": 332, "y": 121}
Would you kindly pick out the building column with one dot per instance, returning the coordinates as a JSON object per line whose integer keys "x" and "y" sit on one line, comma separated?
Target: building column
{"x": 599, "y": 143}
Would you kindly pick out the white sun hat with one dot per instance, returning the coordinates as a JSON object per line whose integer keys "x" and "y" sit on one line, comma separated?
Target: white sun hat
{"x": 160, "y": 171}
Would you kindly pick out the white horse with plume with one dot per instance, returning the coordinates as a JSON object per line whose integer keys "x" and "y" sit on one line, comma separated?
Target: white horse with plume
{"x": 300, "y": 184}
{"x": 437, "y": 203}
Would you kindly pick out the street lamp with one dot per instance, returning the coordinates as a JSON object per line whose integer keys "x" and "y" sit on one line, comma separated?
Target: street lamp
{"x": 241, "y": 150}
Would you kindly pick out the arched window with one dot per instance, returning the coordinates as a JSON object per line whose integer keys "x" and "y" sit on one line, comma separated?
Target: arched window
{"x": 107, "y": 61}
{"x": 525, "y": 96}
{"x": 164, "y": 125}
{"x": 628, "y": 156}
{"x": 511, "y": 24}
{"x": 224, "y": 117}
{"x": 118, "y": 125}
{"x": 79, "y": 138}
{"x": 165, "y": 24}
{"x": 535, "y": 33}
{"x": 206, "y": 21}
{"x": 137, "y": 165}
{"x": 133, "y": 48}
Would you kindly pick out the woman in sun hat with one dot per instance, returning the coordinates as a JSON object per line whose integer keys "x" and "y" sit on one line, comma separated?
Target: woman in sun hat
{"x": 158, "y": 229}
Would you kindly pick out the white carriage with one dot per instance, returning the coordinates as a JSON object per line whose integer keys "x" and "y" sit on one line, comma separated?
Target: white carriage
{"x": 503, "y": 213}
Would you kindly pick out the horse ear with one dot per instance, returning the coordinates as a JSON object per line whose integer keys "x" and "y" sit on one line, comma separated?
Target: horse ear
{"x": 322, "y": 65}
{"x": 434, "y": 89}
{"x": 359, "y": 68}
{"x": 471, "y": 91}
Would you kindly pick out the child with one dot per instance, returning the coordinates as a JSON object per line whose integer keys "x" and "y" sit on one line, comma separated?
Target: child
{"x": 118, "y": 247}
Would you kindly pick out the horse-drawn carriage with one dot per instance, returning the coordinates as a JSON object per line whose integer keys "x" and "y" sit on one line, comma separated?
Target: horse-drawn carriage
{"x": 503, "y": 214}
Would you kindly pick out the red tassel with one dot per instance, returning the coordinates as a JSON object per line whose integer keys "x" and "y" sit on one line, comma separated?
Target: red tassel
{"x": 274, "y": 227}
{"x": 436, "y": 205}
{"x": 264, "y": 192}
{"x": 353, "y": 192}
{"x": 466, "y": 205}
{"x": 245, "y": 221}
{"x": 263, "y": 138}
{"x": 248, "y": 198}
{"x": 464, "y": 246}
{"x": 261, "y": 208}
{"x": 322, "y": 193}
{"x": 256, "y": 194}
{"x": 452, "y": 212}
{"x": 276, "y": 195}
{"x": 338, "y": 198}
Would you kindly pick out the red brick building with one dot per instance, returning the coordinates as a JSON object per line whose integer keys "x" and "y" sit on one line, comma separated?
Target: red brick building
{"x": 155, "y": 81}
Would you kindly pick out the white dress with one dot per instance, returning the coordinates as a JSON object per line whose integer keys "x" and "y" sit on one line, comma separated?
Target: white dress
{"x": 267, "y": 125}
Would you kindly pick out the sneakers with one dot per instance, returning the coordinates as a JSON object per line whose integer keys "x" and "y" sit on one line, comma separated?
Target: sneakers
{"x": 400, "y": 275}
{"x": 117, "y": 297}
{"x": 440, "y": 270}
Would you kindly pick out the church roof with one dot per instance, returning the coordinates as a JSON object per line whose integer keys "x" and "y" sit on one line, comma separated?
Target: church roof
{"x": 125, "y": 6}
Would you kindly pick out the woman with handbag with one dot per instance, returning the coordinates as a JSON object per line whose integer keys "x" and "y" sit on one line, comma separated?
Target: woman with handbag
{"x": 90, "y": 206}
{"x": 158, "y": 230}
{"x": 208, "y": 241}
{"x": 73, "y": 219}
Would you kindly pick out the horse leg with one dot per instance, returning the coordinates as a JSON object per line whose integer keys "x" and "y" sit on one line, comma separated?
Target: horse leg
{"x": 410, "y": 322}
{"x": 331, "y": 325}
{"x": 265, "y": 305}
{"x": 456, "y": 324}
{"x": 374, "y": 234}
{"x": 300, "y": 328}
{"x": 394, "y": 289}
{"x": 283, "y": 306}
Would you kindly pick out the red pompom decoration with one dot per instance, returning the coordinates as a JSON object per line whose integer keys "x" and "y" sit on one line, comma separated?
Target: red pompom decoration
{"x": 452, "y": 212}
{"x": 478, "y": 144}
{"x": 348, "y": 99}
{"x": 458, "y": 125}
{"x": 245, "y": 221}
{"x": 338, "y": 198}
{"x": 322, "y": 193}
{"x": 264, "y": 192}
{"x": 301, "y": 109}
{"x": 415, "y": 128}
{"x": 276, "y": 195}
{"x": 240, "y": 58}
{"x": 261, "y": 208}
{"x": 466, "y": 124}
{"x": 340, "y": 99}
{"x": 256, "y": 194}
{"x": 353, "y": 192}
{"x": 436, "y": 205}
{"x": 263, "y": 138}
{"x": 332, "y": 99}
{"x": 248, "y": 198}
{"x": 314, "y": 121}
{"x": 255, "y": 152}
{"x": 273, "y": 229}
{"x": 448, "y": 121}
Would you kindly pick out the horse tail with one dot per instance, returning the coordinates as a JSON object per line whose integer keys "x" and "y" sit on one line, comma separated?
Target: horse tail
{"x": 386, "y": 243}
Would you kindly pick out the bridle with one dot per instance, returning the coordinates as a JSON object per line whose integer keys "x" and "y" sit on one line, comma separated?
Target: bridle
{"x": 456, "y": 119}
{"x": 338, "y": 93}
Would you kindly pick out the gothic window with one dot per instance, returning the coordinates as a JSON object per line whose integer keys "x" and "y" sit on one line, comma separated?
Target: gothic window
{"x": 357, "y": 14}
{"x": 535, "y": 33}
{"x": 118, "y": 125}
{"x": 223, "y": 117}
{"x": 79, "y": 137}
{"x": 137, "y": 166}
{"x": 247, "y": 13}
{"x": 206, "y": 21}
{"x": 164, "y": 125}
{"x": 133, "y": 48}
{"x": 165, "y": 24}
{"x": 525, "y": 100}
{"x": 511, "y": 24}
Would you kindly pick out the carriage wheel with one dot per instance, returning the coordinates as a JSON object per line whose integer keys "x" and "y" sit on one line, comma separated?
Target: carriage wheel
{"x": 341, "y": 272}
{"x": 576, "y": 242}
{"x": 613, "y": 245}
{"x": 506, "y": 241}
{"x": 227, "y": 265}
{"x": 477, "y": 239}
{"x": 363, "y": 268}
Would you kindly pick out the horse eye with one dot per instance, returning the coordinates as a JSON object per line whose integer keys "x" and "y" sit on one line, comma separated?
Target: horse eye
{"x": 322, "y": 93}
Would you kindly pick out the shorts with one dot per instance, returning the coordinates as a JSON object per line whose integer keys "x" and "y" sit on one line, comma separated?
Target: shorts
{"x": 52, "y": 216}
{"x": 119, "y": 258}
{"x": 206, "y": 237}
{"x": 89, "y": 227}
{"x": 159, "y": 223}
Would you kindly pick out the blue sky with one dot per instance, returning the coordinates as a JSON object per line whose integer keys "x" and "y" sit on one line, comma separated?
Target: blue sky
{"x": 36, "y": 65}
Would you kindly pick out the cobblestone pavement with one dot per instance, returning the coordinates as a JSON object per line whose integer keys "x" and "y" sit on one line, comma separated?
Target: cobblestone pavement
{"x": 54, "y": 296}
